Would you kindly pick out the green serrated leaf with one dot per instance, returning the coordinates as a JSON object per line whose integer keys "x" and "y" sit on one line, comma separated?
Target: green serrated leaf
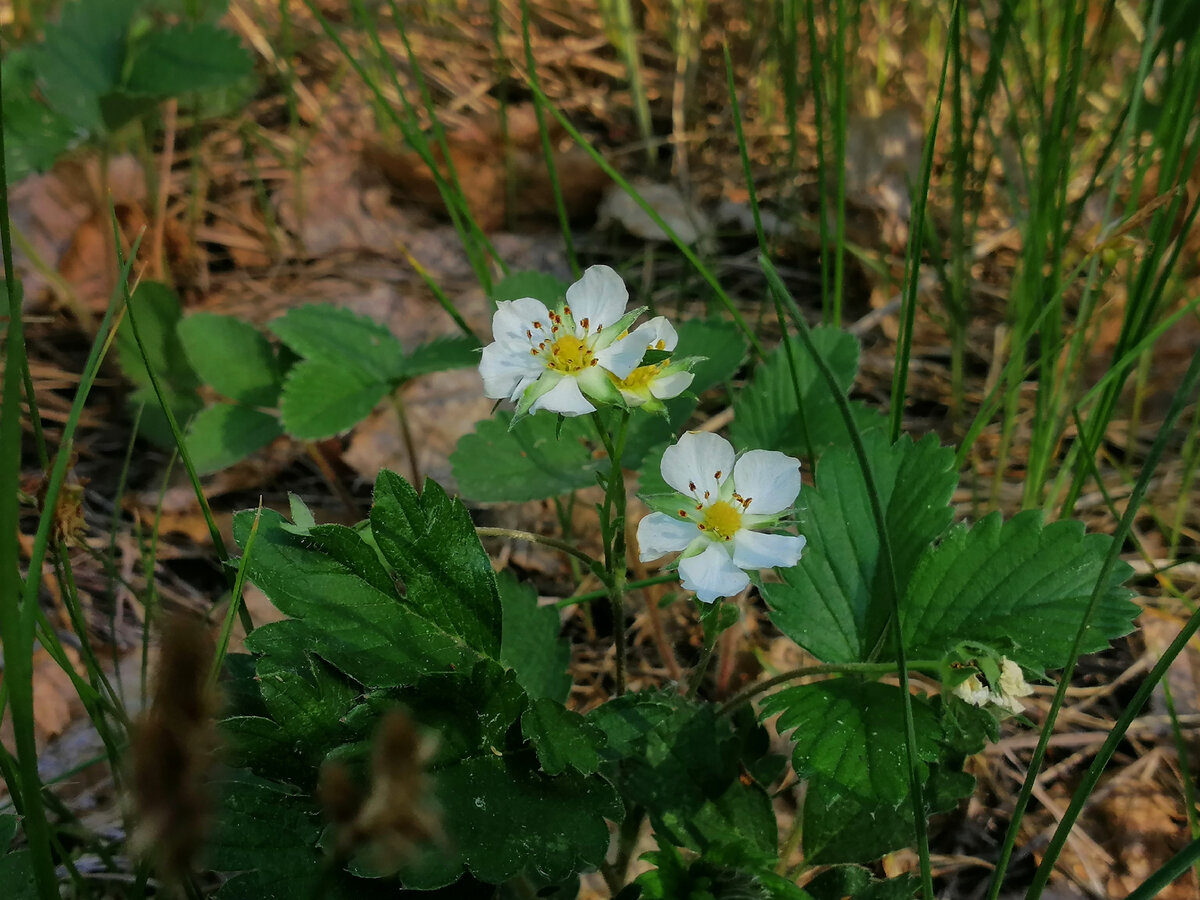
{"x": 768, "y": 417}
{"x": 530, "y": 643}
{"x": 855, "y": 882}
{"x": 81, "y": 58}
{"x": 539, "y": 285}
{"x": 835, "y": 603}
{"x": 562, "y": 737}
{"x": 226, "y": 433}
{"x": 842, "y": 827}
{"x": 430, "y": 540}
{"x": 307, "y": 704}
{"x": 266, "y": 838}
{"x": 471, "y": 709}
{"x": 496, "y": 463}
{"x": 505, "y": 817}
{"x": 179, "y": 59}
{"x": 153, "y": 424}
{"x": 35, "y": 136}
{"x": 157, "y": 310}
{"x": 232, "y": 357}
{"x": 852, "y": 732}
{"x": 682, "y": 764}
{"x": 440, "y": 355}
{"x": 302, "y": 516}
{"x": 720, "y": 343}
{"x": 342, "y": 339}
{"x": 1020, "y": 584}
{"x": 323, "y": 399}
{"x": 362, "y": 630}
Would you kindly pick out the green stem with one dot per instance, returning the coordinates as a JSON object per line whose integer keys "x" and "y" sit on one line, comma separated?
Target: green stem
{"x": 666, "y": 578}
{"x": 569, "y": 549}
{"x": 612, "y": 527}
{"x": 864, "y": 668}
{"x": 701, "y": 668}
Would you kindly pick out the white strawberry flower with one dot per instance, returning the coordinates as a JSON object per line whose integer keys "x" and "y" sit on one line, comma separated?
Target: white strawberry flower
{"x": 1004, "y": 694}
{"x": 718, "y": 514}
{"x": 649, "y": 385}
{"x": 562, "y": 360}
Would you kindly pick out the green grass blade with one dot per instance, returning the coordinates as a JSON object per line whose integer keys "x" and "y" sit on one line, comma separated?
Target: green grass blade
{"x": 1168, "y": 872}
{"x": 912, "y": 268}
{"x": 1182, "y": 396}
{"x": 887, "y": 559}
{"x": 560, "y": 207}
{"x": 650, "y": 211}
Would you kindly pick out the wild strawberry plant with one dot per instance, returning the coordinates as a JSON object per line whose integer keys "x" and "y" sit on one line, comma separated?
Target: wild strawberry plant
{"x": 495, "y": 785}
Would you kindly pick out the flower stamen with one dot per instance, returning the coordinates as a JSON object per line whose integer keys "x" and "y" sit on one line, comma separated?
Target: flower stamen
{"x": 723, "y": 520}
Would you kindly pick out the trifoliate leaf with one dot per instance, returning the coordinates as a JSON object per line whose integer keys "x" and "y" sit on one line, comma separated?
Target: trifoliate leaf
{"x": 836, "y": 601}
{"x": 232, "y": 357}
{"x": 430, "y": 541}
{"x": 1020, "y": 584}
{"x": 682, "y": 764}
{"x": 323, "y": 399}
{"x": 81, "y": 57}
{"x": 340, "y": 338}
{"x": 852, "y": 732}
{"x": 538, "y": 285}
{"x": 768, "y": 416}
{"x": 440, "y": 355}
{"x": 168, "y": 62}
{"x": 505, "y": 817}
{"x": 362, "y": 630}
{"x": 495, "y": 463}
{"x": 226, "y": 433}
{"x": 530, "y": 643}
{"x": 562, "y": 737}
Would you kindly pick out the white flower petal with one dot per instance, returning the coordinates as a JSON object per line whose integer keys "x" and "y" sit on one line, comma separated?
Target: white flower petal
{"x": 506, "y": 370}
{"x": 659, "y": 534}
{"x": 755, "y": 550}
{"x": 698, "y": 463}
{"x": 1012, "y": 680}
{"x": 565, "y": 397}
{"x": 599, "y": 296}
{"x": 665, "y": 387}
{"x": 514, "y": 317}
{"x": 769, "y": 479}
{"x": 972, "y": 691}
{"x": 712, "y": 575}
{"x": 622, "y": 357}
{"x": 657, "y": 330}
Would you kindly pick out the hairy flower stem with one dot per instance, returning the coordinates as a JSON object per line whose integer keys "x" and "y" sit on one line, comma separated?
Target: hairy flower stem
{"x": 612, "y": 529}
{"x": 531, "y": 537}
{"x": 883, "y": 668}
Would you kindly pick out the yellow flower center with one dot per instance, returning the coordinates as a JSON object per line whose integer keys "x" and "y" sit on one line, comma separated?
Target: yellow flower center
{"x": 722, "y": 520}
{"x": 569, "y": 354}
{"x": 639, "y": 379}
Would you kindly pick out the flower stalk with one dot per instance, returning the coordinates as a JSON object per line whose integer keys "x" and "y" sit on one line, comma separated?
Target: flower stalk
{"x": 612, "y": 529}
